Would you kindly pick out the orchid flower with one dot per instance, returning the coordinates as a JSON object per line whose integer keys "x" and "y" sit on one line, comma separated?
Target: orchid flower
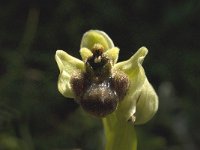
{"x": 117, "y": 92}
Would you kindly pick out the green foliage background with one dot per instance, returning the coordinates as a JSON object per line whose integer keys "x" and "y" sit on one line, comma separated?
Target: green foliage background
{"x": 34, "y": 116}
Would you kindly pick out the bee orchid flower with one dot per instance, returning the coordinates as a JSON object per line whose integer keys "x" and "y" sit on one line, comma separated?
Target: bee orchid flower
{"x": 117, "y": 92}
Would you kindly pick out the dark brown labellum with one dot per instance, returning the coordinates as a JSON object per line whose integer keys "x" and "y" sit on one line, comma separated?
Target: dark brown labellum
{"x": 99, "y": 99}
{"x": 99, "y": 90}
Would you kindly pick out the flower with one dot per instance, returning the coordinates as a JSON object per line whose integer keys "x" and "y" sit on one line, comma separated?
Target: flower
{"x": 101, "y": 85}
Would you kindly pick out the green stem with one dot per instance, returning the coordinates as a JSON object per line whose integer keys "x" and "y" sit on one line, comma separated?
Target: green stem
{"x": 119, "y": 135}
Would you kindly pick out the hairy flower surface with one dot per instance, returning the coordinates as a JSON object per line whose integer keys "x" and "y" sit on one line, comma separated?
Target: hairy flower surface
{"x": 101, "y": 85}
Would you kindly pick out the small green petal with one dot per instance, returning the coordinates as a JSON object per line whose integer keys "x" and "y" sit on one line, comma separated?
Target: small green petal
{"x": 112, "y": 54}
{"x": 95, "y": 36}
{"x": 85, "y": 53}
{"x": 67, "y": 65}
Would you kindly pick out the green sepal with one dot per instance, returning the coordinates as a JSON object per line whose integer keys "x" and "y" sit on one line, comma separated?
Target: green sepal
{"x": 68, "y": 65}
{"x": 139, "y": 92}
{"x": 96, "y": 37}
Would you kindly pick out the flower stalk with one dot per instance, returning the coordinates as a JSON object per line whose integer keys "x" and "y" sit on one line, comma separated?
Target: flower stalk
{"x": 119, "y": 135}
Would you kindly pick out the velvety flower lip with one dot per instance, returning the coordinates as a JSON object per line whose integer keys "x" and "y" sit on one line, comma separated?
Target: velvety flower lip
{"x": 140, "y": 101}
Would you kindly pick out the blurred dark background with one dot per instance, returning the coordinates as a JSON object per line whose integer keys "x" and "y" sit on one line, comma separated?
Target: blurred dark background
{"x": 35, "y": 116}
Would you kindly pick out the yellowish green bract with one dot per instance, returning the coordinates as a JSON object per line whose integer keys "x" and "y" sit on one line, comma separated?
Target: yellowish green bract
{"x": 140, "y": 102}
